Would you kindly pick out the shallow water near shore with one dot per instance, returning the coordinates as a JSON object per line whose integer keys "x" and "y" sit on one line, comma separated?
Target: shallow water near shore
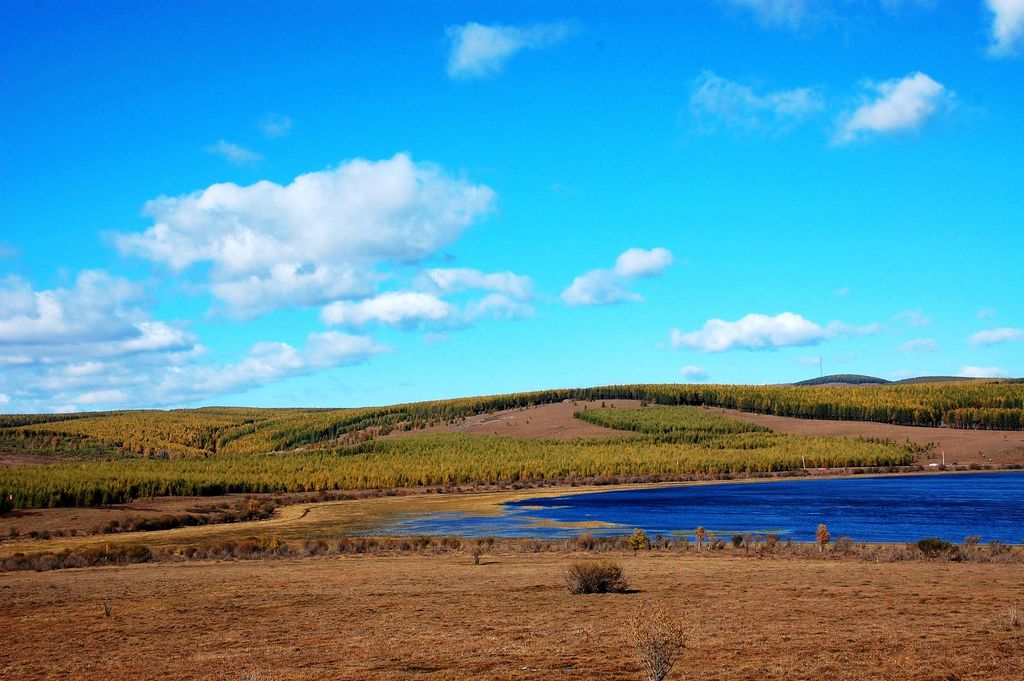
{"x": 870, "y": 509}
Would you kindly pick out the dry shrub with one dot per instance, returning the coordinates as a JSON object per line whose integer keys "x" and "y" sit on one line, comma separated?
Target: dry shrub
{"x": 595, "y": 577}
{"x": 658, "y": 640}
{"x": 1014, "y": 617}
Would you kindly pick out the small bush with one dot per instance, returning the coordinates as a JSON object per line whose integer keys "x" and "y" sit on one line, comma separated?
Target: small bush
{"x": 843, "y": 546}
{"x": 595, "y": 577}
{"x": 657, "y": 639}
{"x": 933, "y": 547}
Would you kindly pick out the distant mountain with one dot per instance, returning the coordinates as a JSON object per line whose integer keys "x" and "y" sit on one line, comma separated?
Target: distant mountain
{"x": 860, "y": 379}
{"x": 845, "y": 379}
{"x": 936, "y": 379}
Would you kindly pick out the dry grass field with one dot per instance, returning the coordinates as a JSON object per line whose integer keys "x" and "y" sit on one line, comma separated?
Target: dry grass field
{"x": 442, "y": 617}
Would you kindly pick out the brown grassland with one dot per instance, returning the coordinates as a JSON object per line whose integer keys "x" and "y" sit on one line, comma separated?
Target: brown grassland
{"x": 442, "y": 617}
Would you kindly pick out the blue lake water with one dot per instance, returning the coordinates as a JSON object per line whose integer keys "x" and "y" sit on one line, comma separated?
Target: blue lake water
{"x": 871, "y": 509}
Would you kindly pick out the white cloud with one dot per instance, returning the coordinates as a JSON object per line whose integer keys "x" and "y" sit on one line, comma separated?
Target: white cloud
{"x": 234, "y": 153}
{"x": 981, "y": 372}
{"x": 98, "y": 316}
{"x": 313, "y": 240}
{"x": 636, "y": 262}
{"x": 456, "y": 280}
{"x": 842, "y": 292}
{"x": 899, "y": 105}
{"x": 290, "y": 284}
{"x": 694, "y": 373}
{"x": 394, "y": 308}
{"x": 102, "y": 397}
{"x": 603, "y": 287}
{"x": 758, "y": 331}
{"x": 4, "y": 398}
{"x": 598, "y": 287}
{"x": 987, "y": 313}
{"x": 130, "y": 381}
{"x": 265, "y": 363}
{"x": 1007, "y": 26}
{"x": 480, "y": 51}
{"x": 996, "y": 336}
{"x": 716, "y": 100}
{"x": 918, "y": 345}
{"x": 497, "y": 306}
{"x": 276, "y": 125}
{"x": 409, "y": 309}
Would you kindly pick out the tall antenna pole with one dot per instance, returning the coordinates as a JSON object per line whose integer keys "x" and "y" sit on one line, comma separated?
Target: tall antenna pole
{"x": 821, "y": 372}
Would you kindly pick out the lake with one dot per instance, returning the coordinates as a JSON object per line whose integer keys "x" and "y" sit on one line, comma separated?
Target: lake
{"x": 870, "y": 509}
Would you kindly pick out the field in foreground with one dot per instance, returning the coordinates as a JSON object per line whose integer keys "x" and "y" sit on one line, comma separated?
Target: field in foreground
{"x": 442, "y": 617}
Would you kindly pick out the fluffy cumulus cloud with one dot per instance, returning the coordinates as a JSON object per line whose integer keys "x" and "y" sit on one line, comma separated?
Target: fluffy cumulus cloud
{"x": 717, "y": 101}
{"x": 636, "y": 262}
{"x": 314, "y": 240}
{"x": 93, "y": 345}
{"x": 1007, "y": 26}
{"x": 606, "y": 286}
{"x": 996, "y": 336}
{"x": 899, "y": 105}
{"x": 99, "y": 315}
{"x": 479, "y": 51}
{"x": 981, "y": 372}
{"x": 759, "y": 332}
{"x": 400, "y": 308}
{"x": 414, "y": 309}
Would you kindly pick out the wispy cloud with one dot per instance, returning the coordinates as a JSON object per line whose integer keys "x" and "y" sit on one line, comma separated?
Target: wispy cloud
{"x": 912, "y": 318}
{"x": 692, "y": 372}
{"x": 234, "y": 153}
{"x": 1007, "y": 32}
{"x": 996, "y": 336}
{"x": 458, "y": 279}
{"x": 789, "y": 14}
{"x": 981, "y": 372}
{"x": 276, "y": 125}
{"x": 607, "y": 286}
{"x": 898, "y": 105}
{"x": 918, "y": 345}
{"x": 717, "y": 101}
{"x": 760, "y": 332}
{"x": 480, "y": 51}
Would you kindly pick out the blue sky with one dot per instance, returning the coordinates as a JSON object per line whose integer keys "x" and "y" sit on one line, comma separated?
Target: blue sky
{"x": 338, "y": 204}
